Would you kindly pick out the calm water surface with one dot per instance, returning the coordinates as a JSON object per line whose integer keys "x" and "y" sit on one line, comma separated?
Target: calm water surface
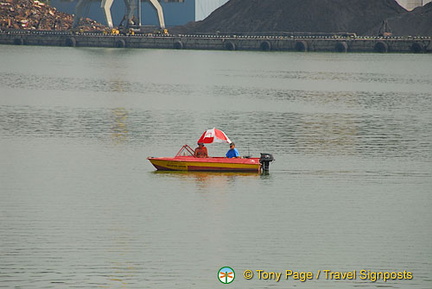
{"x": 81, "y": 207}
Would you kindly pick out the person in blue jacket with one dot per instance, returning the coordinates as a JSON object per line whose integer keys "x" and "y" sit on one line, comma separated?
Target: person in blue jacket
{"x": 232, "y": 152}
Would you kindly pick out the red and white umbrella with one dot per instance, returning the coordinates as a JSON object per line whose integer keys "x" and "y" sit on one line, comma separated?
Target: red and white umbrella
{"x": 214, "y": 135}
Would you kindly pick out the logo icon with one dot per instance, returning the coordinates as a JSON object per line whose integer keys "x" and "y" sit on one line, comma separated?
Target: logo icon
{"x": 226, "y": 275}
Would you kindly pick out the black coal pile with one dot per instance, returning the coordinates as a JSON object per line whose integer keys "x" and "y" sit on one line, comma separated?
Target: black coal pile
{"x": 363, "y": 17}
{"x": 415, "y": 23}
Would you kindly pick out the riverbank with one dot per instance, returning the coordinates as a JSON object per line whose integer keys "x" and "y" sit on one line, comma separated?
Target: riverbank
{"x": 304, "y": 43}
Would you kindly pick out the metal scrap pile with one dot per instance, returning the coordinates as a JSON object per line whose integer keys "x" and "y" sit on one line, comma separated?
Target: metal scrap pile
{"x": 33, "y": 14}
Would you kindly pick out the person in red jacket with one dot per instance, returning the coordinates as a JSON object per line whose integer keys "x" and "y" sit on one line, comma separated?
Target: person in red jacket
{"x": 201, "y": 151}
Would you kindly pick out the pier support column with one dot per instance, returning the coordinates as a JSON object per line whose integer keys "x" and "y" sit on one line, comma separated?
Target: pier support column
{"x": 71, "y": 42}
{"x": 301, "y": 46}
{"x": 418, "y": 47}
{"x": 341, "y": 47}
{"x": 381, "y": 47}
{"x": 266, "y": 46}
{"x": 229, "y": 45}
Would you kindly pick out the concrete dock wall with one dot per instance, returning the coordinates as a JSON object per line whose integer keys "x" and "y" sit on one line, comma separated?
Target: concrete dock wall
{"x": 222, "y": 42}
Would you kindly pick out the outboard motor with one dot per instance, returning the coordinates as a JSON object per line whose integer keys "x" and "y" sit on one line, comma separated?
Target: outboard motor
{"x": 265, "y": 161}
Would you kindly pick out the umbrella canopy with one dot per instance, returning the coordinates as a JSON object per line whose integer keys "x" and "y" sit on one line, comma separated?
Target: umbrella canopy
{"x": 214, "y": 135}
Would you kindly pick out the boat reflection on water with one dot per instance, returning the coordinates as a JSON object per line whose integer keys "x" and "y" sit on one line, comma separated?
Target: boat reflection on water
{"x": 205, "y": 175}
{"x": 210, "y": 181}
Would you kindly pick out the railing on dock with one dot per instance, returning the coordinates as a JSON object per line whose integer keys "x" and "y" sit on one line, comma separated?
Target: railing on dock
{"x": 318, "y": 42}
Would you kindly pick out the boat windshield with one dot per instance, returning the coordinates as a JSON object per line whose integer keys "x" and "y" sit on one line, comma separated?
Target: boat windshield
{"x": 185, "y": 151}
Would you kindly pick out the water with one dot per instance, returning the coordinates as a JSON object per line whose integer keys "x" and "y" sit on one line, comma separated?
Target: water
{"x": 81, "y": 207}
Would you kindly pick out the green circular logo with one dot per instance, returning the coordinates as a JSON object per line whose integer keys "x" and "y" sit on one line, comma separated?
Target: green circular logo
{"x": 226, "y": 275}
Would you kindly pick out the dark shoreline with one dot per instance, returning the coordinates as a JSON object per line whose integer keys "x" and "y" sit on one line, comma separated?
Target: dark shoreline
{"x": 314, "y": 43}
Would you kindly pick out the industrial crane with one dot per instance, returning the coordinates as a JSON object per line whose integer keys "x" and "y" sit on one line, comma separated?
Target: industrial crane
{"x": 131, "y": 6}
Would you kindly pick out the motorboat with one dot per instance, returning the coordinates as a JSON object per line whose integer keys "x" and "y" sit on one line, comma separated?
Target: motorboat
{"x": 185, "y": 160}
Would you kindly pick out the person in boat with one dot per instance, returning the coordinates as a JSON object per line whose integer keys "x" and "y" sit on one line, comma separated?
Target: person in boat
{"x": 201, "y": 151}
{"x": 232, "y": 152}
